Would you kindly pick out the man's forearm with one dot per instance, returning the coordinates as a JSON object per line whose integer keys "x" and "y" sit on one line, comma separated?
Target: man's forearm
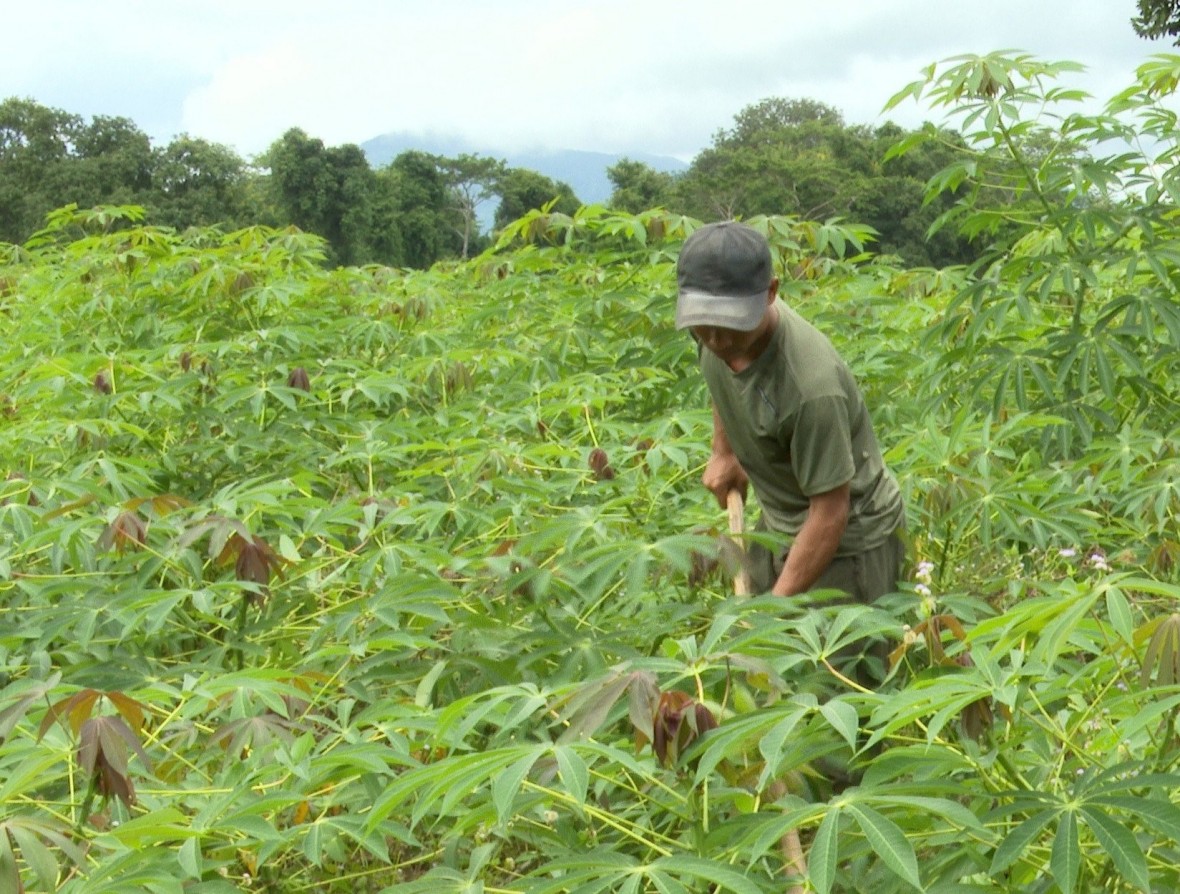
{"x": 816, "y": 544}
{"x": 721, "y": 446}
{"x": 723, "y": 471}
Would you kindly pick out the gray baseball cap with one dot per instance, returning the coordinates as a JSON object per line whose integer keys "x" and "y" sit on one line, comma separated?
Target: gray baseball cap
{"x": 724, "y": 273}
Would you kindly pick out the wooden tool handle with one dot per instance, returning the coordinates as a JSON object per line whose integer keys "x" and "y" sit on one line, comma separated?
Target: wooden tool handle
{"x": 794, "y": 863}
{"x": 735, "y": 505}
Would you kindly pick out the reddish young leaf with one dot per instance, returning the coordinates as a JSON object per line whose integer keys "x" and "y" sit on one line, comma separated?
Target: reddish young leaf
{"x": 600, "y": 464}
{"x": 643, "y": 698}
{"x": 129, "y": 709}
{"x": 76, "y": 708}
{"x": 161, "y": 504}
{"x": 255, "y": 562}
{"x": 298, "y": 379}
{"x": 679, "y": 721}
{"x": 102, "y": 754}
{"x": 127, "y": 530}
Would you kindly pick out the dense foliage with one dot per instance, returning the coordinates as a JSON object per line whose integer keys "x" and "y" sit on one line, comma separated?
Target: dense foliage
{"x": 1157, "y": 18}
{"x": 416, "y": 210}
{"x": 781, "y": 157}
{"x": 799, "y": 158}
{"x": 366, "y": 579}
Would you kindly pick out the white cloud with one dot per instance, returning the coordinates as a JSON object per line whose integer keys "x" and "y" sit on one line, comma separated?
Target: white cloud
{"x": 611, "y": 75}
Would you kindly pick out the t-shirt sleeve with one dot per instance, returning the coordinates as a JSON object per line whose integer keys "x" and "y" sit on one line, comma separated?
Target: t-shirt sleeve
{"x": 821, "y": 445}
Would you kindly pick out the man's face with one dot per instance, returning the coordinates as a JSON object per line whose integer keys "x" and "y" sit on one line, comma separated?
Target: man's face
{"x": 735, "y": 346}
{"x": 728, "y": 344}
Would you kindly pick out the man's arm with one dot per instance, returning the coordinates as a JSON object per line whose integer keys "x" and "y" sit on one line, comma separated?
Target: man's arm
{"x": 723, "y": 471}
{"x": 816, "y": 544}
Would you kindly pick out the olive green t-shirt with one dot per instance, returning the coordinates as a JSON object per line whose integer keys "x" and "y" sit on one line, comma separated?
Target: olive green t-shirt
{"x": 798, "y": 424}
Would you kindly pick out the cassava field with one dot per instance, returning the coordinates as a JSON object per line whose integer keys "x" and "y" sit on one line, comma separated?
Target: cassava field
{"x": 368, "y": 580}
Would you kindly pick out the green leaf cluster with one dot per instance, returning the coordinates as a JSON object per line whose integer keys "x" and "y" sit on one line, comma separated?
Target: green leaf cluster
{"x": 380, "y": 579}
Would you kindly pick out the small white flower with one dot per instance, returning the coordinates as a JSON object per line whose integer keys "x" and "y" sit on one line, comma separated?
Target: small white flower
{"x": 1067, "y": 553}
{"x": 1098, "y": 561}
{"x": 922, "y": 590}
{"x": 925, "y": 569}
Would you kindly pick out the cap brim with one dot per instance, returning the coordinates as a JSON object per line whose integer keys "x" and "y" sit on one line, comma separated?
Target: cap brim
{"x": 742, "y": 313}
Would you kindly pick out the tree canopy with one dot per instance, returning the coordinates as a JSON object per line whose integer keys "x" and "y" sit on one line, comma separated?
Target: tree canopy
{"x": 780, "y": 156}
{"x": 1158, "y": 18}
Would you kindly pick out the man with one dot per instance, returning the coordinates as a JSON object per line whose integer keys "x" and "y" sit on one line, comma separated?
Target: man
{"x": 788, "y": 419}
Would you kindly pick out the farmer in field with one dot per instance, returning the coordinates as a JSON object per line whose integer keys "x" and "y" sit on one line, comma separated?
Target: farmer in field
{"x": 788, "y": 419}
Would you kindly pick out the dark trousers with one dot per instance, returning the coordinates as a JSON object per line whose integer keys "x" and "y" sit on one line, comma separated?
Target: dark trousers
{"x": 864, "y": 576}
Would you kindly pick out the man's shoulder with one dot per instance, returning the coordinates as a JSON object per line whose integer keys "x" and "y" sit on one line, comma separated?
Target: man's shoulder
{"x": 796, "y": 329}
{"x": 807, "y": 355}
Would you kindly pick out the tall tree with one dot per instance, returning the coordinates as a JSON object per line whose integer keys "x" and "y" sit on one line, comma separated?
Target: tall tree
{"x": 423, "y": 212}
{"x": 522, "y": 190}
{"x": 327, "y": 191}
{"x": 199, "y": 183}
{"x": 50, "y": 158}
{"x": 112, "y": 162}
{"x": 639, "y": 187}
{"x": 471, "y": 181}
{"x": 780, "y": 157}
{"x": 36, "y": 145}
{"x": 798, "y": 157}
{"x": 1158, "y": 18}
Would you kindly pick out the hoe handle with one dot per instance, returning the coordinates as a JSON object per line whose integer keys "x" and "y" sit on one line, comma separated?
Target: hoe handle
{"x": 794, "y": 864}
{"x": 734, "y": 504}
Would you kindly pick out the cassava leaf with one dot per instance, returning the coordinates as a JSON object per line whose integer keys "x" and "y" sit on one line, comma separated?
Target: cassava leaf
{"x": 888, "y": 841}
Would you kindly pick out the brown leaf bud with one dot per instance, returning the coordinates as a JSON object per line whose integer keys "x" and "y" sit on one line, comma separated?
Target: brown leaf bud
{"x": 298, "y": 379}
{"x": 600, "y": 464}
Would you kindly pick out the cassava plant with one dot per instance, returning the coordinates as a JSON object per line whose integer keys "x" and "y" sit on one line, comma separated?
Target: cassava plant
{"x": 378, "y": 580}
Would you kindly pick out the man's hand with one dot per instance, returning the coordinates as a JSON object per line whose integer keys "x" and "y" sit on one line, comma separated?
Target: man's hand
{"x": 724, "y": 473}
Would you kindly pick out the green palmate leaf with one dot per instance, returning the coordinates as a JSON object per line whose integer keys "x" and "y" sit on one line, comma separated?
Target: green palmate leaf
{"x": 9, "y": 874}
{"x": 602, "y": 871}
{"x": 1065, "y": 859}
{"x": 575, "y": 775}
{"x": 1013, "y": 847}
{"x": 717, "y": 875}
{"x": 25, "y": 694}
{"x": 509, "y": 780}
{"x": 766, "y": 832}
{"x": 843, "y": 718}
{"x": 1154, "y": 814}
{"x": 772, "y": 745}
{"x": 1119, "y": 843}
{"x": 888, "y": 841}
{"x": 190, "y": 858}
{"x": 313, "y": 843}
{"x": 1147, "y": 715}
{"x": 36, "y": 855}
{"x": 821, "y": 860}
{"x": 1119, "y": 611}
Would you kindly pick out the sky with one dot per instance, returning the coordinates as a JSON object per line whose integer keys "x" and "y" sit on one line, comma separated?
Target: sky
{"x": 616, "y": 76}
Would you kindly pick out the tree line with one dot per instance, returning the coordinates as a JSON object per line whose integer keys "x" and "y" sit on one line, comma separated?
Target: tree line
{"x": 780, "y": 156}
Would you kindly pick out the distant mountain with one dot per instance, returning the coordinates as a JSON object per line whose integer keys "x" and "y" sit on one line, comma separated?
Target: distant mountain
{"x": 585, "y": 172}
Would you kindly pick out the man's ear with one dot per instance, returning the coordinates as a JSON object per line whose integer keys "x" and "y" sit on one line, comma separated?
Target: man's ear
{"x": 772, "y": 290}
